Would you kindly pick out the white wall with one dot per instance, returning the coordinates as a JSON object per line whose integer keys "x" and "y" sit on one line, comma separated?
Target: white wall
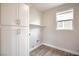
{"x": 0, "y": 42}
{"x": 0, "y": 30}
{"x": 35, "y": 18}
{"x": 66, "y": 39}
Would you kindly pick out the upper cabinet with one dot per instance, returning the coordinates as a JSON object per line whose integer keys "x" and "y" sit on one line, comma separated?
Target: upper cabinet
{"x": 14, "y": 14}
{"x": 23, "y": 14}
{"x": 8, "y": 14}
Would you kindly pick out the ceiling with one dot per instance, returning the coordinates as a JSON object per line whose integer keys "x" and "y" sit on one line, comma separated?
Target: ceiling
{"x": 45, "y": 6}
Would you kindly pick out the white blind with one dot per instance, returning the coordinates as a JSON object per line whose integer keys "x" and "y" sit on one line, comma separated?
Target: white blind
{"x": 65, "y": 15}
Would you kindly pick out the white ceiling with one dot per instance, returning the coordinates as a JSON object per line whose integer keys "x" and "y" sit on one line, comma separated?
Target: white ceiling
{"x": 45, "y": 6}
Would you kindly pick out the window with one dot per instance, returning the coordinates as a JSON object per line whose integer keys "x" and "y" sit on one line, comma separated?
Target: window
{"x": 64, "y": 20}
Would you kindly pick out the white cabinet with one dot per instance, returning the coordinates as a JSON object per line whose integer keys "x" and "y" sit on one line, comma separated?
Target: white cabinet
{"x": 8, "y": 41}
{"x": 23, "y": 14}
{"x": 8, "y": 14}
{"x": 14, "y": 14}
{"x": 23, "y": 42}
{"x": 14, "y": 39}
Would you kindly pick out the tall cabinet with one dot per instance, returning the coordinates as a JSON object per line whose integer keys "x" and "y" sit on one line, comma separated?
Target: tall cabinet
{"x": 14, "y": 29}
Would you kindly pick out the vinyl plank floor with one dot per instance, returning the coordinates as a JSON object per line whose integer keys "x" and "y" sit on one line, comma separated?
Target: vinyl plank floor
{"x": 48, "y": 51}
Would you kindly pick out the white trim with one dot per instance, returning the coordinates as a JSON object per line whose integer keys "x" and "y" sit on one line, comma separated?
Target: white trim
{"x": 66, "y": 11}
{"x": 63, "y": 49}
{"x": 35, "y": 47}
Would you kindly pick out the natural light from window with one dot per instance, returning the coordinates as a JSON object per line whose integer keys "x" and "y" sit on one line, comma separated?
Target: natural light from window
{"x": 64, "y": 20}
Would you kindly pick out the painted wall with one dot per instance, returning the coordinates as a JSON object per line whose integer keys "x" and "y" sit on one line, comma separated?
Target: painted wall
{"x": 67, "y": 39}
{"x": 35, "y": 18}
{"x": 0, "y": 30}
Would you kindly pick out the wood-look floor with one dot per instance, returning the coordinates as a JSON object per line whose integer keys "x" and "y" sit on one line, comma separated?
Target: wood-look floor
{"x": 48, "y": 51}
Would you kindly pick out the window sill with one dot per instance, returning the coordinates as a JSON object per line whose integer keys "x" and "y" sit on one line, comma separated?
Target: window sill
{"x": 65, "y": 29}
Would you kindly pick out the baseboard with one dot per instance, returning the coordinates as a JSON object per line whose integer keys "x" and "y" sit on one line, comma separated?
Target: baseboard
{"x": 73, "y": 52}
{"x": 35, "y": 47}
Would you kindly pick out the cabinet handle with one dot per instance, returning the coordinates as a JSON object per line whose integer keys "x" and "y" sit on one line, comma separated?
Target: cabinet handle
{"x": 29, "y": 34}
{"x": 17, "y": 22}
{"x": 18, "y": 31}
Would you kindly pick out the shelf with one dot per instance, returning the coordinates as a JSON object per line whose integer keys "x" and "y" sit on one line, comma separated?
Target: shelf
{"x": 36, "y": 26}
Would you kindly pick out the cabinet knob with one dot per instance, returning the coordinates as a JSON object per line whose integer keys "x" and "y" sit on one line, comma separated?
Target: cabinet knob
{"x": 18, "y": 22}
{"x": 18, "y": 31}
{"x": 29, "y": 34}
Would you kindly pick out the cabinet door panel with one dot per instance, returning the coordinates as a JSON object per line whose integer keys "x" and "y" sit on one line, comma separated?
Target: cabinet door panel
{"x": 8, "y": 13}
{"x": 24, "y": 14}
{"x": 23, "y": 42}
{"x": 14, "y": 41}
{"x": 8, "y": 41}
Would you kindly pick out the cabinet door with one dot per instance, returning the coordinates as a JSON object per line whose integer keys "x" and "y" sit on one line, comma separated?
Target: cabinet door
{"x": 24, "y": 14}
{"x": 8, "y": 41}
{"x": 23, "y": 42}
{"x": 8, "y": 13}
{"x": 14, "y": 41}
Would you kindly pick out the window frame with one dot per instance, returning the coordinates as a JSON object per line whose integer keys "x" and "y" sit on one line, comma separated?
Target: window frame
{"x": 63, "y": 12}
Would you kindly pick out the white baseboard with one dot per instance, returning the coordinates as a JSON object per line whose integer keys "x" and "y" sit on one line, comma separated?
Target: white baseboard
{"x": 73, "y": 52}
{"x": 35, "y": 47}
